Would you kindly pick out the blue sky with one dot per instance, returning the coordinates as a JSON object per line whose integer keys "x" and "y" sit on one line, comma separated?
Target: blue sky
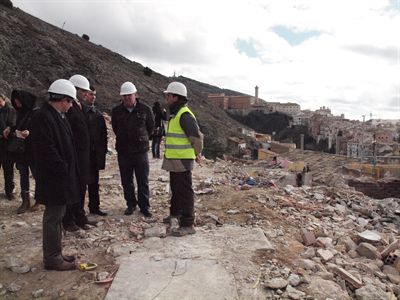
{"x": 337, "y": 53}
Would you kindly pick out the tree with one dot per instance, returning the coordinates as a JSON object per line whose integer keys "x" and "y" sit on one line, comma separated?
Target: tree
{"x": 85, "y": 37}
{"x": 6, "y": 3}
{"x": 147, "y": 71}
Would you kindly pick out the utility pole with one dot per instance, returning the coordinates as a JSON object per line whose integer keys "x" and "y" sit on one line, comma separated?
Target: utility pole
{"x": 362, "y": 137}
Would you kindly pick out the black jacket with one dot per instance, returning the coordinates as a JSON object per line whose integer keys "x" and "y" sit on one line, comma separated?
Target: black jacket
{"x": 55, "y": 158}
{"x": 25, "y": 115}
{"x": 7, "y": 119}
{"x": 98, "y": 136}
{"x": 80, "y": 131}
{"x": 132, "y": 129}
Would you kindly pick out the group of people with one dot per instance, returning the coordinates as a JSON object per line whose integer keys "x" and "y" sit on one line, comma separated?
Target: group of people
{"x": 66, "y": 145}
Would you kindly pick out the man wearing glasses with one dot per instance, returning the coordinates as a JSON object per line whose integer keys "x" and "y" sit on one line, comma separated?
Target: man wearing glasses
{"x": 57, "y": 182}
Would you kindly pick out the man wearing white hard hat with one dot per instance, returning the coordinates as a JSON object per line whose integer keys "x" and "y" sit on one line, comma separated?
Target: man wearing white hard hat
{"x": 57, "y": 170}
{"x": 75, "y": 215}
{"x": 133, "y": 123}
{"x": 183, "y": 146}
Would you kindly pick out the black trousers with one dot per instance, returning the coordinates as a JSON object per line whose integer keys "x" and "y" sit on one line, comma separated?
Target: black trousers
{"x": 8, "y": 171}
{"x": 93, "y": 191}
{"x": 75, "y": 213}
{"x": 182, "y": 201}
{"x": 52, "y": 235}
{"x": 130, "y": 166}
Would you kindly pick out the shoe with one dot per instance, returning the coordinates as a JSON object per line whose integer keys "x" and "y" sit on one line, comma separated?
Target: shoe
{"x": 71, "y": 227}
{"x": 10, "y": 196}
{"x": 92, "y": 223}
{"x": 167, "y": 220}
{"x": 63, "y": 266}
{"x": 182, "y": 231}
{"x": 69, "y": 258}
{"x": 84, "y": 226}
{"x": 146, "y": 213}
{"x": 129, "y": 211}
{"x": 35, "y": 207}
{"x": 98, "y": 212}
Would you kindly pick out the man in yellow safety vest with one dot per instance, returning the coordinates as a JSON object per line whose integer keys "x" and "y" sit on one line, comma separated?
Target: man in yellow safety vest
{"x": 183, "y": 146}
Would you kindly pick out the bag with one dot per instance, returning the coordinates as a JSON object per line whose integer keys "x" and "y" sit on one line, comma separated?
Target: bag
{"x": 16, "y": 145}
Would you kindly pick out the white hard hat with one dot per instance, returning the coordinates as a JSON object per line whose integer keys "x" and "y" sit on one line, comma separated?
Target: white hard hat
{"x": 127, "y": 88}
{"x": 176, "y": 88}
{"x": 63, "y": 87}
{"x": 80, "y": 81}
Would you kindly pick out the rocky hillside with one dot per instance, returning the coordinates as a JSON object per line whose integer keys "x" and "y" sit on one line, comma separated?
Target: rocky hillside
{"x": 35, "y": 53}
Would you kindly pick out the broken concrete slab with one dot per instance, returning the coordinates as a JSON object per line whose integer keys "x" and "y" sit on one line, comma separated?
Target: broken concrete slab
{"x": 172, "y": 279}
{"x": 207, "y": 260}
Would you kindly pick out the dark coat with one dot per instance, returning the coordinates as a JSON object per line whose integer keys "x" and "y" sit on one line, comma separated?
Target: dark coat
{"x": 98, "y": 137}
{"x": 132, "y": 129}
{"x": 80, "y": 130}
{"x": 55, "y": 158}
{"x": 7, "y": 119}
{"x": 159, "y": 116}
{"x": 25, "y": 115}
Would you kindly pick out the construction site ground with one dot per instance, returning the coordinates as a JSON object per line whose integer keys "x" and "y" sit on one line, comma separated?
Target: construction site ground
{"x": 223, "y": 201}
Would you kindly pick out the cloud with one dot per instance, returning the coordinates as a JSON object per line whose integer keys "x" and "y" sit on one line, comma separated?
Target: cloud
{"x": 317, "y": 53}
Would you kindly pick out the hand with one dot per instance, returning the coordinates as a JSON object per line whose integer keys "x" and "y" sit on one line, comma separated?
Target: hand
{"x": 25, "y": 133}
{"x": 6, "y": 132}
{"x": 199, "y": 158}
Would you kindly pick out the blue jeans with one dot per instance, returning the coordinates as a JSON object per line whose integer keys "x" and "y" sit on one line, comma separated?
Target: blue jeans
{"x": 131, "y": 165}
{"x": 24, "y": 175}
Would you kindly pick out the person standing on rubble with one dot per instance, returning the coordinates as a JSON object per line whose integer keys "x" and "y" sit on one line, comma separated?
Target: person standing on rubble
{"x": 98, "y": 149}
{"x": 7, "y": 121}
{"x": 75, "y": 215}
{"x": 133, "y": 123}
{"x": 57, "y": 182}
{"x": 183, "y": 146}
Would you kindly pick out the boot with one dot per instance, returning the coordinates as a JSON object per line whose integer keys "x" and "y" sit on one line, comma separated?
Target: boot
{"x": 26, "y": 202}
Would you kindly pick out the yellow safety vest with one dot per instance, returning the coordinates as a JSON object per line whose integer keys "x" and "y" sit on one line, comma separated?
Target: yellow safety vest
{"x": 177, "y": 144}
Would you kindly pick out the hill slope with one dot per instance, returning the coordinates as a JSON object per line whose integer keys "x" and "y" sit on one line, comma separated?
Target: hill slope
{"x": 35, "y": 53}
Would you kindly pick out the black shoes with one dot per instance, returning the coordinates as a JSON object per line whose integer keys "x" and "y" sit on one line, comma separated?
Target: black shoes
{"x": 71, "y": 227}
{"x": 68, "y": 258}
{"x": 129, "y": 211}
{"x": 63, "y": 266}
{"x": 98, "y": 212}
{"x": 147, "y": 214}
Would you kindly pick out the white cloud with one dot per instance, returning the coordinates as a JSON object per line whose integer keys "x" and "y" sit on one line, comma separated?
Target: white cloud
{"x": 353, "y": 64}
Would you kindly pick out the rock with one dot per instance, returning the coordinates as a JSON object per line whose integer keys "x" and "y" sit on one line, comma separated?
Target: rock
{"x": 394, "y": 278}
{"x": 21, "y": 269}
{"x": 326, "y": 255}
{"x": 349, "y": 243}
{"x": 390, "y": 270}
{"x": 353, "y": 254}
{"x": 354, "y": 281}
{"x": 368, "y": 250}
{"x": 322, "y": 289}
{"x": 156, "y": 231}
{"x": 309, "y": 253}
{"x": 13, "y": 287}
{"x": 102, "y": 276}
{"x": 307, "y": 264}
{"x": 308, "y": 237}
{"x": 370, "y": 292}
{"x": 369, "y": 236}
{"x": 276, "y": 283}
{"x": 37, "y": 293}
{"x": 294, "y": 280}
{"x": 362, "y": 222}
{"x": 325, "y": 242}
{"x": 294, "y": 294}
{"x": 233, "y": 212}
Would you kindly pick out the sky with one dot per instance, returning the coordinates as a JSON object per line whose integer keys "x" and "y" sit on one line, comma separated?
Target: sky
{"x": 341, "y": 54}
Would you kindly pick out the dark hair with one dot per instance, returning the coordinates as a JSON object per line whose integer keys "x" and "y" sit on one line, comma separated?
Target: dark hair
{"x": 57, "y": 97}
{"x": 92, "y": 88}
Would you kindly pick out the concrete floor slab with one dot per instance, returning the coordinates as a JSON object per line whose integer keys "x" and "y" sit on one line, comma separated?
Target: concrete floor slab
{"x": 211, "y": 264}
